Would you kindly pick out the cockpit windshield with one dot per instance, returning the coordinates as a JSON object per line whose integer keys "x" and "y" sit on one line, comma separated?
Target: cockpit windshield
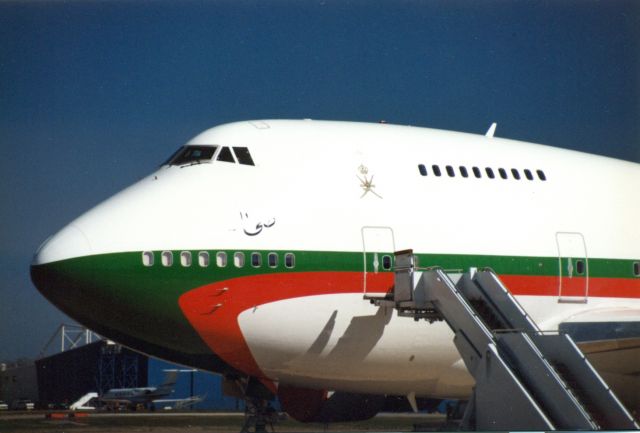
{"x": 243, "y": 155}
{"x": 198, "y": 154}
{"x": 188, "y": 155}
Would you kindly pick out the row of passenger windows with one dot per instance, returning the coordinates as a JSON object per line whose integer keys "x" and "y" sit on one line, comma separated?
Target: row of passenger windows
{"x": 221, "y": 259}
{"x": 477, "y": 172}
{"x": 273, "y": 259}
{"x": 191, "y": 155}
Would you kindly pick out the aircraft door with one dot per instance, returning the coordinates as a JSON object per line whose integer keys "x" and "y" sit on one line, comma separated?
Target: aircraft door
{"x": 573, "y": 267}
{"x": 378, "y": 246}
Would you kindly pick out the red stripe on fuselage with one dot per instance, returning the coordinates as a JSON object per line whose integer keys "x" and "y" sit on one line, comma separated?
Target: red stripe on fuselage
{"x": 213, "y": 309}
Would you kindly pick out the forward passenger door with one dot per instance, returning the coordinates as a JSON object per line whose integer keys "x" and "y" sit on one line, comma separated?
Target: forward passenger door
{"x": 573, "y": 267}
{"x": 378, "y": 246}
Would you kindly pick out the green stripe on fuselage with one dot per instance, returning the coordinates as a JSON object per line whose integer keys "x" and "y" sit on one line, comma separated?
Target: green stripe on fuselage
{"x": 118, "y": 289}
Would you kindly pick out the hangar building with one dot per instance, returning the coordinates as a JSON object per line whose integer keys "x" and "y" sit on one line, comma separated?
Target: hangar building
{"x": 97, "y": 367}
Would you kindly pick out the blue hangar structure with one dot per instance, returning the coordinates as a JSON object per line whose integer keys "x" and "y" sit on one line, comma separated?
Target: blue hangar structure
{"x": 100, "y": 366}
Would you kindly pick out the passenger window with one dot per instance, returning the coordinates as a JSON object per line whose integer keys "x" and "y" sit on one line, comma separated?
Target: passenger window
{"x": 515, "y": 173}
{"x": 386, "y": 262}
{"x": 225, "y": 155}
{"x": 450, "y": 171}
{"x": 528, "y": 174}
{"x": 290, "y": 260}
{"x": 203, "y": 259}
{"x": 476, "y": 172}
{"x": 436, "y": 170}
{"x": 167, "y": 258}
{"x": 243, "y": 155}
{"x": 463, "y": 171}
{"x": 422, "y": 169}
{"x": 490, "y": 174}
{"x": 541, "y": 175}
{"x": 256, "y": 260}
{"x": 147, "y": 258}
{"x": 272, "y": 259}
{"x": 636, "y": 269}
{"x": 503, "y": 173}
{"x": 185, "y": 258}
{"x": 580, "y": 267}
{"x": 238, "y": 260}
{"x": 221, "y": 259}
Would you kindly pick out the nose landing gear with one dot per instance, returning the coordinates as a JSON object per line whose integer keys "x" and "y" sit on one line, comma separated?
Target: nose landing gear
{"x": 258, "y": 411}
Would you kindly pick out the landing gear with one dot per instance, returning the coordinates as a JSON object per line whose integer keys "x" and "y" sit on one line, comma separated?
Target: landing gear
{"x": 258, "y": 413}
{"x": 457, "y": 415}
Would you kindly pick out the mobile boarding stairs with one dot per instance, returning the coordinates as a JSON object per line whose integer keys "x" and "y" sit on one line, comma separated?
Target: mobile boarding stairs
{"x": 524, "y": 378}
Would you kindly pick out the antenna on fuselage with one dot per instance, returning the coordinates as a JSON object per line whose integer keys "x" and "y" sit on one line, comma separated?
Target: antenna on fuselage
{"x": 492, "y": 130}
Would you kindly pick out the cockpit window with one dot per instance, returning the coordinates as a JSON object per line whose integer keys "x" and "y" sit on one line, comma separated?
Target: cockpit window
{"x": 188, "y": 155}
{"x": 197, "y": 154}
{"x": 225, "y": 155}
{"x": 243, "y": 155}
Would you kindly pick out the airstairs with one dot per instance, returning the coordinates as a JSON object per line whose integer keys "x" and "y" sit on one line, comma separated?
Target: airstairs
{"x": 525, "y": 378}
{"x": 80, "y": 404}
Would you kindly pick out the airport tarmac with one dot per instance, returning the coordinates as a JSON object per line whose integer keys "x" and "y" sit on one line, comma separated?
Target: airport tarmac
{"x": 192, "y": 422}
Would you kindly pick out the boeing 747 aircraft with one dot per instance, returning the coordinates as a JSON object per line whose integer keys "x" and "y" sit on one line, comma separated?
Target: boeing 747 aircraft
{"x": 247, "y": 253}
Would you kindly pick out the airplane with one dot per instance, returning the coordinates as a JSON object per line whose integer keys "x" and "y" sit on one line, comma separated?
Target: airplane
{"x": 248, "y": 252}
{"x": 132, "y": 397}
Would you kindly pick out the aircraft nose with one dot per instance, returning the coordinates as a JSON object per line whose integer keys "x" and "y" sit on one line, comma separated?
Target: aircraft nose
{"x": 50, "y": 273}
{"x": 67, "y": 243}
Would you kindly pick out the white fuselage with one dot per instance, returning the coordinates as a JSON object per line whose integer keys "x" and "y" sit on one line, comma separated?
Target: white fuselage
{"x": 345, "y": 187}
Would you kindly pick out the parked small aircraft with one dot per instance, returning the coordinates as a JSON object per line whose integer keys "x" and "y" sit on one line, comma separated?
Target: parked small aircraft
{"x": 132, "y": 397}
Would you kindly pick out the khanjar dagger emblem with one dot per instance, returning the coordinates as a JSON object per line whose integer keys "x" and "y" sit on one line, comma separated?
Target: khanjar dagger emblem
{"x": 366, "y": 183}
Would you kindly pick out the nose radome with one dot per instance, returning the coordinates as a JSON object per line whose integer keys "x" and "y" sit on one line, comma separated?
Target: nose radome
{"x": 67, "y": 243}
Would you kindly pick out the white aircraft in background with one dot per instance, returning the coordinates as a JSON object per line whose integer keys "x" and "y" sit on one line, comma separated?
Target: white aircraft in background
{"x": 248, "y": 253}
{"x": 132, "y": 397}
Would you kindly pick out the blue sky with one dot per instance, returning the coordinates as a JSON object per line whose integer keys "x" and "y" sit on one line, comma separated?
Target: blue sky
{"x": 94, "y": 95}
